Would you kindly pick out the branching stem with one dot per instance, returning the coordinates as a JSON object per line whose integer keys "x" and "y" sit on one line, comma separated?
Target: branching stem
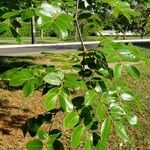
{"x": 79, "y": 32}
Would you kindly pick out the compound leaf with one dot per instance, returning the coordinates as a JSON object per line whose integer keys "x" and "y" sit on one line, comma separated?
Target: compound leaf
{"x": 77, "y": 135}
{"x": 71, "y": 120}
{"x": 34, "y": 144}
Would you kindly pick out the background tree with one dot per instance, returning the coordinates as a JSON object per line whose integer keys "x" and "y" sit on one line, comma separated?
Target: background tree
{"x": 121, "y": 25}
{"x": 15, "y": 13}
{"x": 139, "y": 23}
{"x": 136, "y": 24}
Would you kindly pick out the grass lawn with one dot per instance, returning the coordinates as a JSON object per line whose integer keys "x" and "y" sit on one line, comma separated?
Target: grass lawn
{"x": 27, "y": 40}
{"x": 15, "y": 109}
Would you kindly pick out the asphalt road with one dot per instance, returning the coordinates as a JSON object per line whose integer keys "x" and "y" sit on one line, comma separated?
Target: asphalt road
{"x": 10, "y": 50}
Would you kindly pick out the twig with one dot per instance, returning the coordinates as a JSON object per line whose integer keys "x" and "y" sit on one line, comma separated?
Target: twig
{"x": 77, "y": 25}
{"x": 79, "y": 32}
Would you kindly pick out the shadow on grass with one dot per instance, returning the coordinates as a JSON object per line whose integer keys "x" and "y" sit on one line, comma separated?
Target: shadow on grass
{"x": 8, "y": 120}
{"x": 13, "y": 121}
{"x": 10, "y": 62}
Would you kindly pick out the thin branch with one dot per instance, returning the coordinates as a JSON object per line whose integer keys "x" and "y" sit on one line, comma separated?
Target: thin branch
{"x": 80, "y": 35}
{"x": 78, "y": 28}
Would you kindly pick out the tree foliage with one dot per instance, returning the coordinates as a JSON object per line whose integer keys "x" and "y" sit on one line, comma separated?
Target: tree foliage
{"x": 140, "y": 24}
{"x": 104, "y": 103}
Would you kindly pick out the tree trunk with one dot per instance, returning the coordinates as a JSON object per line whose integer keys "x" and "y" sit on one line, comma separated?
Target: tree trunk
{"x": 42, "y": 34}
{"x": 76, "y": 35}
{"x": 116, "y": 36}
{"x": 142, "y": 34}
{"x": 33, "y": 30}
{"x": 124, "y": 35}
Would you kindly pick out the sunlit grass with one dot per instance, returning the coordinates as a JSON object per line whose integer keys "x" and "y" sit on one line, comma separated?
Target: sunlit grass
{"x": 46, "y": 40}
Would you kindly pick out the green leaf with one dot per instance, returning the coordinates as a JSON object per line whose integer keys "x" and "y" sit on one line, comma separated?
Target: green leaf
{"x": 87, "y": 115}
{"x": 78, "y": 101}
{"x": 117, "y": 71}
{"x": 71, "y": 82}
{"x": 108, "y": 45}
{"x": 57, "y": 145}
{"x": 33, "y": 125}
{"x": 102, "y": 85}
{"x": 127, "y": 95}
{"x": 121, "y": 132}
{"x": 122, "y": 7}
{"x": 77, "y": 135}
{"x": 48, "y": 10}
{"x": 88, "y": 144}
{"x": 54, "y": 135}
{"x": 101, "y": 145}
{"x": 9, "y": 74}
{"x": 1, "y": 11}
{"x": 100, "y": 111}
{"x": 44, "y": 22}
{"x": 16, "y": 24}
{"x": 98, "y": 88}
{"x": 135, "y": 50}
{"x": 133, "y": 71}
{"x": 85, "y": 15}
{"x": 17, "y": 81}
{"x": 109, "y": 98}
{"x": 65, "y": 101}
{"x": 10, "y": 14}
{"x": 90, "y": 97}
{"x": 96, "y": 138}
{"x": 65, "y": 22}
{"x": 3, "y": 27}
{"x": 54, "y": 17}
{"x": 28, "y": 88}
{"x": 105, "y": 129}
{"x": 127, "y": 55}
{"x": 85, "y": 73}
{"x": 132, "y": 119}
{"x": 42, "y": 134}
{"x": 71, "y": 120}
{"x": 60, "y": 73}
{"x": 115, "y": 12}
{"x": 38, "y": 81}
{"x": 104, "y": 72}
{"x": 54, "y": 78}
{"x": 50, "y": 99}
{"x": 20, "y": 78}
{"x": 46, "y": 118}
{"x": 34, "y": 145}
{"x": 27, "y": 14}
{"x": 116, "y": 111}
{"x": 49, "y": 146}
{"x": 15, "y": 35}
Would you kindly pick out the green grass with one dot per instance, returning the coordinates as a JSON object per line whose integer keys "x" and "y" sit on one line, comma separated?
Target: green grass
{"x": 142, "y": 88}
{"x": 27, "y": 40}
